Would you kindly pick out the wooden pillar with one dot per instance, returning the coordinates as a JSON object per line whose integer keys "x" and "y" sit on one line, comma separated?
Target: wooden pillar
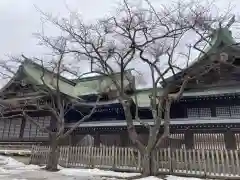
{"x": 124, "y": 138}
{"x": 96, "y": 139}
{"x": 188, "y": 139}
{"x": 185, "y": 115}
{"x": 213, "y": 111}
{"x": 22, "y": 127}
{"x": 230, "y": 140}
{"x": 70, "y": 140}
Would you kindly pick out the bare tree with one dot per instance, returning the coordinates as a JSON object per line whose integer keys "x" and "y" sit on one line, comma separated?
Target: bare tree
{"x": 156, "y": 39}
{"x": 59, "y": 105}
{"x": 49, "y": 99}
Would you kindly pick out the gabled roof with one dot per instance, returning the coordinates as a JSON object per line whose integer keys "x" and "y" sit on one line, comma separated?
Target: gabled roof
{"x": 220, "y": 38}
{"x": 33, "y": 73}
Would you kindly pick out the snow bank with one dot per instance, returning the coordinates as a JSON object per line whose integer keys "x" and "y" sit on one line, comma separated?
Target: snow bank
{"x": 4, "y": 160}
{"x": 149, "y": 178}
{"x": 181, "y": 178}
{"x": 10, "y": 165}
{"x": 95, "y": 172}
{"x": 168, "y": 178}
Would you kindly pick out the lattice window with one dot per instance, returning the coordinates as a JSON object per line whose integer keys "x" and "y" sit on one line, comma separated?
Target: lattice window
{"x": 199, "y": 112}
{"x": 30, "y": 130}
{"x": 26, "y": 133}
{"x": 209, "y": 141}
{"x": 192, "y": 112}
{"x": 204, "y": 112}
{"x": 6, "y": 128}
{"x": 174, "y": 141}
{"x": 33, "y": 130}
{"x": 223, "y": 112}
{"x": 1, "y": 128}
{"x": 235, "y": 111}
{"x": 14, "y": 130}
{"x": 44, "y": 122}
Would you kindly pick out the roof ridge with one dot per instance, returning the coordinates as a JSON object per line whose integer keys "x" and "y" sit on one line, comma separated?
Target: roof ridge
{"x": 99, "y": 76}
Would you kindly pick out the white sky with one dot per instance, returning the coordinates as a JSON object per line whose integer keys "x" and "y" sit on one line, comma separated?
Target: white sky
{"x": 19, "y": 19}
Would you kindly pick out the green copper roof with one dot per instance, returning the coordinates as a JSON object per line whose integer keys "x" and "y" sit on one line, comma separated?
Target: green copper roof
{"x": 33, "y": 72}
{"x": 96, "y": 84}
{"x": 220, "y": 36}
{"x": 143, "y": 98}
{"x": 86, "y": 87}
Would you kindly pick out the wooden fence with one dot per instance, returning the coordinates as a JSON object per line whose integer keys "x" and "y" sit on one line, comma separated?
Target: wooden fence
{"x": 195, "y": 162}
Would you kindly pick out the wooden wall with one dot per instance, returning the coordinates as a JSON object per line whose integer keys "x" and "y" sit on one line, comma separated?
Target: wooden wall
{"x": 31, "y": 131}
{"x": 183, "y": 140}
{"x": 10, "y": 128}
{"x": 20, "y": 129}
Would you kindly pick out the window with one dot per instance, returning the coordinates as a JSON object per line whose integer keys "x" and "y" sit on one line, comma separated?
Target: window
{"x": 199, "y": 112}
{"x": 192, "y": 112}
{"x": 15, "y": 127}
{"x": 235, "y": 111}
{"x": 223, "y": 112}
{"x": 209, "y": 141}
{"x": 232, "y": 111}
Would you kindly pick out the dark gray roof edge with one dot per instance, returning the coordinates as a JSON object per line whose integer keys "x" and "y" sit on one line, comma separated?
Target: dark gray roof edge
{"x": 180, "y": 121}
{"x": 204, "y": 91}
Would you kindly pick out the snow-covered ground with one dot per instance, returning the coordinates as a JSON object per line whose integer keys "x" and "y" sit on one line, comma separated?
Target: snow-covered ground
{"x": 10, "y": 169}
{"x": 169, "y": 178}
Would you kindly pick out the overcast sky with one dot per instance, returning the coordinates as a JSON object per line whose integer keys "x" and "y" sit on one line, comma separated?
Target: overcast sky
{"x": 19, "y": 19}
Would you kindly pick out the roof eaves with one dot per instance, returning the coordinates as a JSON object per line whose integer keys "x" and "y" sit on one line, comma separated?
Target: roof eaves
{"x": 91, "y": 78}
{"x": 35, "y": 81}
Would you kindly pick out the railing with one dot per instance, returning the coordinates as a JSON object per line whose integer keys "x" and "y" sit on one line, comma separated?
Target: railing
{"x": 195, "y": 162}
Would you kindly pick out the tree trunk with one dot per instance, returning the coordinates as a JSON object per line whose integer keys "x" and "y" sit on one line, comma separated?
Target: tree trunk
{"x": 148, "y": 164}
{"x": 53, "y": 155}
